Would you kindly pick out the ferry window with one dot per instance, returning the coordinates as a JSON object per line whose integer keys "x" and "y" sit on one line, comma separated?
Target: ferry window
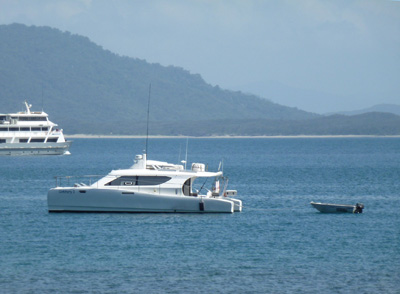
{"x": 23, "y": 140}
{"x": 37, "y": 140}
{"x": 25, "y": 129}
{"x": 35, "y": 129}
{"x": 2, "y": 141}
{"x": 3, "y": 129}
{"x": 32, "y": 118}
{"x": 52, "y": 140}
{"x": 14, "y": 129}
{"x": 44, "y": 129}
{"x": 2, "y": 117}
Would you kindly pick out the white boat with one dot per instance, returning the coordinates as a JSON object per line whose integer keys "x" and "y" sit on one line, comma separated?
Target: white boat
{"x": 31, "y": 133}
{"x": 148, "y": 186}
{"x": 335, "y": 208}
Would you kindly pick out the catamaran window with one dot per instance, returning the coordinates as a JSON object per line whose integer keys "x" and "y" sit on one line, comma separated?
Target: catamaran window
{"x": 121, "y": 181}
{"x": 37, "y": 140}
{"x": 52, "y": 140}
{"x": 186, "y": 187}
{"x": 23, "y": 140}
{"x": 2, "y": 141}
{"x": 138, "y": 181}
{"x": 150, "y": 181}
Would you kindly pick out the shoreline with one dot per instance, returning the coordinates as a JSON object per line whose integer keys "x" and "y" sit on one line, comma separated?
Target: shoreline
{"x": 88, "y": 136}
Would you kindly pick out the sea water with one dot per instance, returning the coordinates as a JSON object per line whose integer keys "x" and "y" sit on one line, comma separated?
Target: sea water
{"x": 278, "y": 244}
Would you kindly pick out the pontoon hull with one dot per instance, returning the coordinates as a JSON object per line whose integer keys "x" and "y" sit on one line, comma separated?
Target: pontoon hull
{"x": 110, "y": 200}
{"x": 237, "y": 204}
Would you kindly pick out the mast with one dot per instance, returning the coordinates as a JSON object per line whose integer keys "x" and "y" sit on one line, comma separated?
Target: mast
{"x": 187, "y": 142}
{"x": 148, "y": 112}
{"x": 28, "y": 106}
{"x": 42, "y": 97}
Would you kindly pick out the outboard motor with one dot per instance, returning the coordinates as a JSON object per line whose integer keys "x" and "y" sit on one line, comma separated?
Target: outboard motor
{"x": 358, "y": 208}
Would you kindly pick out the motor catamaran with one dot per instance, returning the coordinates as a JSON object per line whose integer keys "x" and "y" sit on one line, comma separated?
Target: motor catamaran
{"x": 148, "y": 186}
{"x": 31, "y": 133}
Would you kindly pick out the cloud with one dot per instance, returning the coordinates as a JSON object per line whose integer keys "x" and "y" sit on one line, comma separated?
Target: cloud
{"x": 67, "y": 9}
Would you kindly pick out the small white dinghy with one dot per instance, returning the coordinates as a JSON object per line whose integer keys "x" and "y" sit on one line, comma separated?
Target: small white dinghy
{"x": 337, "y": 208}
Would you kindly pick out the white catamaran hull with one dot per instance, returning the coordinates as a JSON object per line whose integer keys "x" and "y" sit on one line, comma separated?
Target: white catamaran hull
{"x": 52, "y": 148}
{"x": 108, "y": 200}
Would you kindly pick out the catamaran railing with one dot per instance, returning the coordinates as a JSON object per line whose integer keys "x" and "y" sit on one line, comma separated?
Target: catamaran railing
{"x": 77, "y": 180}
{"x": 88, "y": 180}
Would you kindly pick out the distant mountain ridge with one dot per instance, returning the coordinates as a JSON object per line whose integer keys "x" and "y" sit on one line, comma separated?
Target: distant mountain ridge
{"x": 82, "y": 84}
{"x": 389, "y": 108}
{"x": 89, "y": 90}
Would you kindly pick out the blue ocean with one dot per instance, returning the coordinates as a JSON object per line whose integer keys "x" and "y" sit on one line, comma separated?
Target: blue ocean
{"x": 278, "y": 244}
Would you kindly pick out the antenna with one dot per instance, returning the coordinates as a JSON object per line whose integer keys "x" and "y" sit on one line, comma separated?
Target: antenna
{"x": 179, "y": 156}
{"x": 187, "y": 142}
{"x": 148, "y": 112}
{"x": 42, "y": 97}
{"x": 222, "y": 164}
{"x": 185, "y": 161}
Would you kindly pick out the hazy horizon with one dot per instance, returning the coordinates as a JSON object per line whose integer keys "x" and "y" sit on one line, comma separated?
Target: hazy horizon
{"x": 318, "y": 56}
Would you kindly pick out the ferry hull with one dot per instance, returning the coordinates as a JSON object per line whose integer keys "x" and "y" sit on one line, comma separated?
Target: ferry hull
{"x": 107, "y": 200}
{"x": 17, "y": 149}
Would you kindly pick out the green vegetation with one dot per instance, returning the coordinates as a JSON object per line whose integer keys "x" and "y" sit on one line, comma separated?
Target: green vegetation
{"x": 89, "y": 90}
{"x": 363, "y": 124}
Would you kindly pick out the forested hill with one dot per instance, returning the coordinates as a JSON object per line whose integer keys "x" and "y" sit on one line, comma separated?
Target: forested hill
{"x": 370, "y": 124}
{"x": 86, "y": 88}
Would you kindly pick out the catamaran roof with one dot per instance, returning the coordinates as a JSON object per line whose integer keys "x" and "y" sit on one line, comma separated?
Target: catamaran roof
{"x": 147, "y": 172}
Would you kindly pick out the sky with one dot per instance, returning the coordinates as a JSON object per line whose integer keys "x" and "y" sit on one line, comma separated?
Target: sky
{"x": 317, "y": 55}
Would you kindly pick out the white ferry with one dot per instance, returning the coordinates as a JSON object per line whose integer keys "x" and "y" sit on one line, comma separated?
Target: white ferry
{"x": 31, "y": 133}
{"x": 148, "y": 186}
